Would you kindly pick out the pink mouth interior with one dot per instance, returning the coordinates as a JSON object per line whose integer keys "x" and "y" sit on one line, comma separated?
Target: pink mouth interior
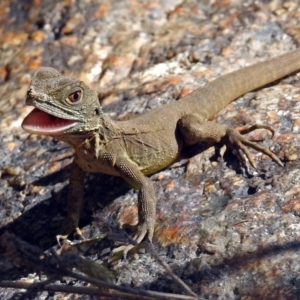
{"x": 41, "y": 122}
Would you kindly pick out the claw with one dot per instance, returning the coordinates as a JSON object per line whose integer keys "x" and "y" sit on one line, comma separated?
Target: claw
{"x": 236, "y": 142}
{"x": 79, "y": 234}
{"x": 60, "y": 237}
{"x": 143, "y": 231}
{"x": 126, "y": 250}
{"x": 68, "y": 231}
{"x": 246, "y": 130}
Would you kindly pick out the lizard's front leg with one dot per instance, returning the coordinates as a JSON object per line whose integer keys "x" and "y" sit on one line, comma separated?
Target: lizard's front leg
{"x": 75, "y": 202}
{"x": 194, "y": 130}
{"x": 130, "y": 172}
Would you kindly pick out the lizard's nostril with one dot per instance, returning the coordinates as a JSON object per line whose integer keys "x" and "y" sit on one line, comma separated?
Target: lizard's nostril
{"x": 30, "y": 96}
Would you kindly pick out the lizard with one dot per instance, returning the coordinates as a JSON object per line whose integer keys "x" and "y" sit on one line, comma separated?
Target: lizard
{"x": 69, "y": 110}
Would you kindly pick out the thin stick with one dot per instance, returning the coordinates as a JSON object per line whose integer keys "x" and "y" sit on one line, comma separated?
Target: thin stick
{"x": 150, "y": 249}
{"x": 130, "y": 293}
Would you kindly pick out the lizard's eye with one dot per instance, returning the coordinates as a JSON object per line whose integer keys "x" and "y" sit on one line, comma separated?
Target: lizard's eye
{"x": 75, "y": 96}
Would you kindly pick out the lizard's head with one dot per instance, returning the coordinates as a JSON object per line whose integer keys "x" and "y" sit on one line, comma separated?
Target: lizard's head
{"x": 63, "y": 105}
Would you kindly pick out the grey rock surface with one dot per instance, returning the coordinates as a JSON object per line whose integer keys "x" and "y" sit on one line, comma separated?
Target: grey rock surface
{"x": 228, "y": 233}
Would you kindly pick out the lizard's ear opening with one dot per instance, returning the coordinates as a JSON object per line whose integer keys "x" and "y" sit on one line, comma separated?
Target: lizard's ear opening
{"x": 97, "y": 111}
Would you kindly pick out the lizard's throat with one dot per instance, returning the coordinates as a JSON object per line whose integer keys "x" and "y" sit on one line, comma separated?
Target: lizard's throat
{"x": 40, "y": 122}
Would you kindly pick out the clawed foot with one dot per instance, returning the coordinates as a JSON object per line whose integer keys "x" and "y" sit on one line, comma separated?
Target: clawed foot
{"x": 66, "y": 231}
{"x": 235, "y": 140}
{"x": 140, "y": 232}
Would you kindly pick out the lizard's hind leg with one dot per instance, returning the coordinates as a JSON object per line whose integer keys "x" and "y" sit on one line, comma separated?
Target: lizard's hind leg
{"x": 194, "y": 130}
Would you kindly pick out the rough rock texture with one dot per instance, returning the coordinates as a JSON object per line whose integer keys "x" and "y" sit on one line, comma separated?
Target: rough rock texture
{"x": 228, "y": 233}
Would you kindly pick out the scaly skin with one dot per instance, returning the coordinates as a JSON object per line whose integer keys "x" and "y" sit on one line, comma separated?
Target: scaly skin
{"x": 146, "y": 144}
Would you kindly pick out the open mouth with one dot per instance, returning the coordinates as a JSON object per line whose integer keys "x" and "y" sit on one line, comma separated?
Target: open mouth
{"x": 41, "y": 122}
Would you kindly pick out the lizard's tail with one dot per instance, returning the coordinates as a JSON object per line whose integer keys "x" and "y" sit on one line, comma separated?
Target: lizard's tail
{"x": 218, "y": 93}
